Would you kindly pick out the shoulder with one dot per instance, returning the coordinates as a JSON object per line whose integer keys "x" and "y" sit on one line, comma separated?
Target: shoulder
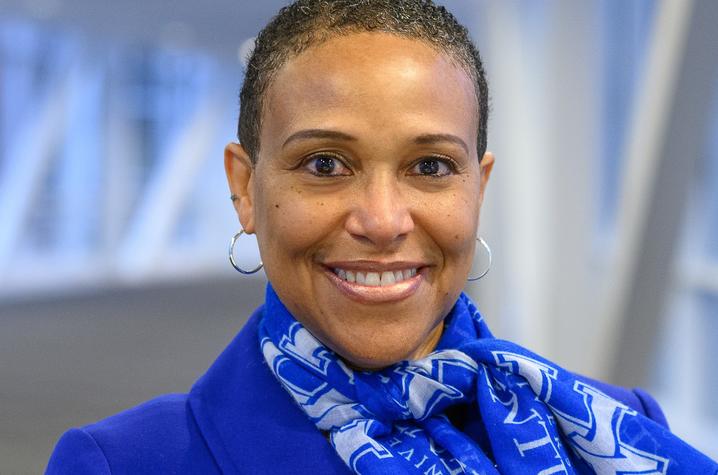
{"x": 636, "y": 398}
{"x": 236, "y": 418}
{"x": 78, "y": 453}
{"x": 159, "y": 434}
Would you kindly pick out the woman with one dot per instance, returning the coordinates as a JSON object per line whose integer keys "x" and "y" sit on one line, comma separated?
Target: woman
{"x": 361, "y": 170}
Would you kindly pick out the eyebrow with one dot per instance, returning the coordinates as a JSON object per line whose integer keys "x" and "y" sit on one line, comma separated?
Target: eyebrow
{"x": 318, "y": 134}
{"x": 430, "y": 139}
{"x": 424, "y": 139}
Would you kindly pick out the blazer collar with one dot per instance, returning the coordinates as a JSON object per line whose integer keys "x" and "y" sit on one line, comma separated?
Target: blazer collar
{"x": 249, "y": 422}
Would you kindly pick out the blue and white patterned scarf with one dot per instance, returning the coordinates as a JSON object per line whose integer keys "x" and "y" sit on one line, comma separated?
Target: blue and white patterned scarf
{"x": 526, "y": 415}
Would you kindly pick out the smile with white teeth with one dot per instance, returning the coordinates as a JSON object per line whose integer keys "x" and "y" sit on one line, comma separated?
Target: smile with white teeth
{"x": 375, "y": 279}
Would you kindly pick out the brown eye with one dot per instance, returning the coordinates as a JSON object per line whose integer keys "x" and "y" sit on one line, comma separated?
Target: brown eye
{"x": 326, "y": 165}
{"x": 433, "y": 166}
{"x": 429, "y": 167}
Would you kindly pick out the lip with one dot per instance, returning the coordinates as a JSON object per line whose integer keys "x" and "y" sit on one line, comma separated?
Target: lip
{"x": 376, "y": 294}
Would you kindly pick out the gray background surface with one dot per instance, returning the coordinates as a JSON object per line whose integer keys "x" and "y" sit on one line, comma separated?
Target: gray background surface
{"x": 71, "y": 361}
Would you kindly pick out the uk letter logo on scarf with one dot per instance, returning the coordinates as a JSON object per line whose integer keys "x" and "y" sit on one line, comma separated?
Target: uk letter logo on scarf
{"x": 419, "y": 388}
{"x": 319, "y": 400}
{"x": 595, "y": 437}
{"x": 352, "y": 442}
{"x": 304, "y": 347}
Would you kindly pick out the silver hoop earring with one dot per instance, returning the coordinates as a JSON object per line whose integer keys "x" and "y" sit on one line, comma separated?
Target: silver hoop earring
{"x": 491, "y": 257}
{"x": 231, "y": 256}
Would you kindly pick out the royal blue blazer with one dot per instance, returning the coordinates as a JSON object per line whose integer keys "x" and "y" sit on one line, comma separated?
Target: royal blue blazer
{"x": 235, "y": 419}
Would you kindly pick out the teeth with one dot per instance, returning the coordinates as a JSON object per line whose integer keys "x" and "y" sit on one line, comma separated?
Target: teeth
{"x": 375, "y": 279}
{"x": 372, "y": 279}
{"x": 387, "y": 278}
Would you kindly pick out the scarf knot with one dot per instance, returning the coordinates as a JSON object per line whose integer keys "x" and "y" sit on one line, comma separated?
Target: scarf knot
{"x": 419, "y": 389}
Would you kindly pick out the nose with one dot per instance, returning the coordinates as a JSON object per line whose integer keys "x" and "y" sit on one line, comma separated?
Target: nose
{"x": 381, "y": 215}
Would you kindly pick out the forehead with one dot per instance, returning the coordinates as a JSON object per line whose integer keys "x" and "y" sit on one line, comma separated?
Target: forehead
{"x": 371, "y": 77}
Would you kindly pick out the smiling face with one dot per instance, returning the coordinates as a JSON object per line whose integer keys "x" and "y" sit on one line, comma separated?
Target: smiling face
{"x": 366, "y": 192}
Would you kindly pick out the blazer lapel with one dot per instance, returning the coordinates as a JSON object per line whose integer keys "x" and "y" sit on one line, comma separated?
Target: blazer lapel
{"x": 249, "y": 422}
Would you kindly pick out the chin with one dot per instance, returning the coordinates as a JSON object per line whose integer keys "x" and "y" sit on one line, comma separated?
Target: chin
{"x": 375, "y": 356}
{"x": 370, "y": 362}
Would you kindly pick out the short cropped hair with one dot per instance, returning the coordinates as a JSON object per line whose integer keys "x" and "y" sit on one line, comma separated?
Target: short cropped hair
{"x": 307, "y": 23}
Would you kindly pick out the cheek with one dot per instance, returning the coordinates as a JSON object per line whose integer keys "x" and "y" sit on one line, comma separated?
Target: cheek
{"x": 452, "y": 222}
{"x": 292, "y": 222}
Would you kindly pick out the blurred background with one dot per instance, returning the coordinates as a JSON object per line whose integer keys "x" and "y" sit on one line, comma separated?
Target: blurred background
{"x": 115, "y": 215}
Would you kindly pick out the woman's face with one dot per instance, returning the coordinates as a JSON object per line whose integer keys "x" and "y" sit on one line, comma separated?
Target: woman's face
{"x": 365, "y": 195}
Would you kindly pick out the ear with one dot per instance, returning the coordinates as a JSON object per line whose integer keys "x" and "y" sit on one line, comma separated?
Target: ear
{"x": 487, "y": 164}
{"x": 240, "y": 175}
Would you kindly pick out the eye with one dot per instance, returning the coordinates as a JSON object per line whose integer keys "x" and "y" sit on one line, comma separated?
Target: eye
{"x": 433, "y": 166}
{"x": 326, "y": 164}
